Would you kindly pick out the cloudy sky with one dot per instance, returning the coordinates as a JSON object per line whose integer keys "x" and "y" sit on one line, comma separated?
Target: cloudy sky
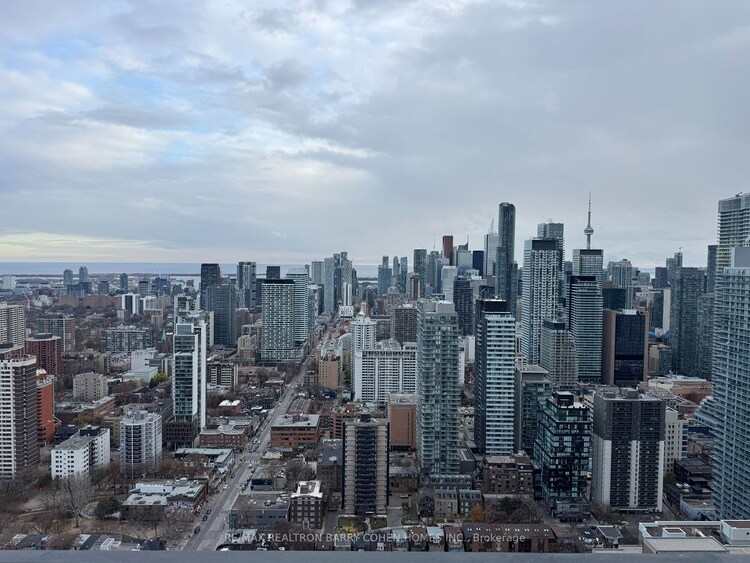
{"x": 284, "y": 131}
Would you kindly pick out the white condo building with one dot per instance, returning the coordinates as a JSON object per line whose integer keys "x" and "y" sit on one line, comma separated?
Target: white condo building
{"x": 86, "y": 450}
{"x": 541, "y": 292}
{"x": 494, "y": 388}
{"x": 387, "y": 368}
{"x": 189, "y": 370}
{"x": 140, "y": 442}
{"x": 363, "y": 335}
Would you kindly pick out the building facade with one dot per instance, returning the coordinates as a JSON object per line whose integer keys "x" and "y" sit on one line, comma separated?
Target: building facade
{"x": 366, "y": 482}
{"x": 625, "y": 347}
{"x": 140, "y": 443}
{"x": 18, "y": 425}
{"x": 541, "y": 293}
{"x": 387, "y": 368}
{"x": 86, "y": 450}
{"x": 688, "y": 284}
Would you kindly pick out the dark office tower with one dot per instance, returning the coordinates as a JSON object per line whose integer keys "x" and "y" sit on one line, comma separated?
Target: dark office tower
{"x": 316, "y": 272}
{"x": 416, "y": 287}
{"x": 688, "y": 284}
{"x": 625, "y": 347}
{"x": 403, "y": 272}
{"x": 210, "y": 275}
{"x": 273, "y": 272}
{"x": 477, "y": 262}
{"x": 432, "y": 280}
{"x": 67, "y": 277}
{"x": 366, "y": 482}
{"x": 144, "y": 287}
{"x": 103, "y": 287}
{"x": 627, "y": 451}
{"x": 541, "y": 294}
{"x": 222, "y": 300}
{"x": 661, "y": 278}
{"x": 494, "y": 386}
{"x": 506, "y": 269}
{"x": 246, "y": 286}
{"x": 706, "y": 319}
{"x": 672, "y": 264}
{"x": 448, "y": 248}
{"x": 585, "y": 323}
{"x": 733, "y": 228}
{"x": 83, "y": 274}
{"x": 384, "y": 277}
{"x": 562, "y": 449}
{"x": 124, "y": 282}
{"x": 420, "y": 265}
{"x": 614, "y": 297}
{"x": 656, "y": 316}
{"x": 405, "y": 323}
{"x": 396, "y": 268}
{"x": 462, "y": 297}
{"x": 731, "y": 380}
{"x": 711, "y": 268}
{"x": 438, "y": 390}
{"x": 487, "y": 292}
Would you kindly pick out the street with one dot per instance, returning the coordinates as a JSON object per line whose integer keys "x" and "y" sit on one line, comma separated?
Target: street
{"x": 213, "y": 531}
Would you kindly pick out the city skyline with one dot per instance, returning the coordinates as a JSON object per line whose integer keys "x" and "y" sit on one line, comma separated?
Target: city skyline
{"x": 214, "y": 132}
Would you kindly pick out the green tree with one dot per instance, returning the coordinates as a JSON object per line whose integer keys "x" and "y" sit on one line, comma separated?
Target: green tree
{"x": 105, "y": 507}
{"x": 160, "y": 377}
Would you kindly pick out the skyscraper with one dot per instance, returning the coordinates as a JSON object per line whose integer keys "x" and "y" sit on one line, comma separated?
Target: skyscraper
{"x": 688, "y": 284}
{"x": 628, "y": 451}
{"x": 532, "y": 389}
{"x": 140, "y": 443}
{"x": 385, "y": 277}
{"x": 506, "y": 269}
{"x": 123, "y": 282}
{"x": 541, "y": 273}
{"x": 316, "y": 272}
{"x": 494, "y": 385}
{"x": 60, "y": 325}
{"x": 364, "y": 331}
{"x": 83, "y": 274}
{"x": 711, "y": 268}
{"x": 246, "y": 284}
{"x": 48, "y": 351}
{"x": 438, "y": 392}
{"x": 18, "y": 425}
{"x": 706, "y": 319}
{"x": 731, "y": 380}
{"x": 558, "y": 353}
{"x": 491, "y": 242}
{"x": 420, "y": 266}
{"x": 277, "y": 332}
{"x": 273, "y": 272}
{"x": 301, "y": 303}
{"x": 462, "y": 297}
{"x": 405, "y": 323}
{"x": 189, "y": 377}
{"x": 562, "y": 451}
{"x": 448, "y": 249}
{"x": 329, "y": 285}
{"x": 67, "y": 277}
{"x": 625, "y": 347}
{"x": 210, "y": 275}
{"x": 222, "y": 301}
{"x": 733, "y": 228}
{"x": 585, "y": 323}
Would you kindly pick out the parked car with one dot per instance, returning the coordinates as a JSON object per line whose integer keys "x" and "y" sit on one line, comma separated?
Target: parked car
{"x": 197, "y": 529}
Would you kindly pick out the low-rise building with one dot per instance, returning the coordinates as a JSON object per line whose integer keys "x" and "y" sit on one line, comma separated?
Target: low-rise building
{"x": 154, "y": 497}
{"x": 508, "y": 475}
{"x": 306, "y": 506}
{"x": 224, "y": 436}
{"x": 89, "y": 386}
{"x": 85, "y": 451}
{"x": 446, "y": 504}
{"x": 295, "y": 432}
{"x": 261, "y": 510}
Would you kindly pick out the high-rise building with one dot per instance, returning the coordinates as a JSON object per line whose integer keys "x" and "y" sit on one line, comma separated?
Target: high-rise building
{"x": 447, "y": 279}
{"x": 47, "y": 423}
{"x": 12, "y": 324}
{"x": 688, "y": 284}
{"x": 627, "y": 451}
{"x": 126, "y": 339}
{"x": 68, "y": 277}
{"x": 329, "y": 285}
{"x": 405, "y": 323}
{"x": 494, "y": 390}
{"x": 366, "y": 479}
{"x": 625, "y": 347}
{"x": 706, "y": 319}
{"x": 541, "y": 276}
{"x": 448, "y": 249}
{"x": 420, "y": 266}
{"x": 711, "y": 268}
{"x": 48, "y": 350}
{"x": 222, "y": 301}
{"x": 585, "y": 323}
{"x": 562, "y": 450}
{"x": 403, "y": 272}
{"x": 385, "y": 277}
{"x": 123, "y": 282}
{"x": 731, "y": 380}
{"x": 462, "y": 298}
{"x": 85, "y": 451}
{"x": 733, "y": 228}
{"x": 558, "y": 355}
{"x": 210, "y": 275}
{"x": 506, "y": 269}
{"x": 140, "y": 443}
{"x": 316, "y": 272}
{"x": 189, "y": 377}
{"x": 621, "y": 273}
{"x": 661, "y": 277}
{"x": 532, "y": 389}
{"x": 301, "y": 304}
{"x": 277, "y": 333}
{"x": 438, "y": 391}
{"x": 491, "y": 242}
{"x": 89, "y": 386}
{"x": 672, "y": 264}
{"x": 83, "y": 274}
{"x": 554, "y": 231}
{"x": 273, "y": 272}
{"x": 363, "y": 336}
{"x": 19, "y": 448}
{"x": 246, "y": 284}
{"x": 60, "y": 325}
{"x": 383, "y": 369}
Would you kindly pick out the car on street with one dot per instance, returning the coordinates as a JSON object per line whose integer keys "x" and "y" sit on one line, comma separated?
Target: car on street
{"x": 197, "y": 529}
{"x": 205, "y": 517}
{"x": 404, "y": 496}
{"x": 208, "y": 511}
{"x": 225, "y": 487}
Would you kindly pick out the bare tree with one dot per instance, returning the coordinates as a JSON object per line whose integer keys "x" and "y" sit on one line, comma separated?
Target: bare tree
{"x": 71, "y": 495}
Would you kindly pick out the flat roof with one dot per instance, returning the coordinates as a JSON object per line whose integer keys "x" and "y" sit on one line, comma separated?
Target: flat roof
{"x": 690, "y": 545}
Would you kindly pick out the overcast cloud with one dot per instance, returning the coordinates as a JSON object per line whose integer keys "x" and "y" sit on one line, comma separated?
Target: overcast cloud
{"x": 282, "y": 132}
